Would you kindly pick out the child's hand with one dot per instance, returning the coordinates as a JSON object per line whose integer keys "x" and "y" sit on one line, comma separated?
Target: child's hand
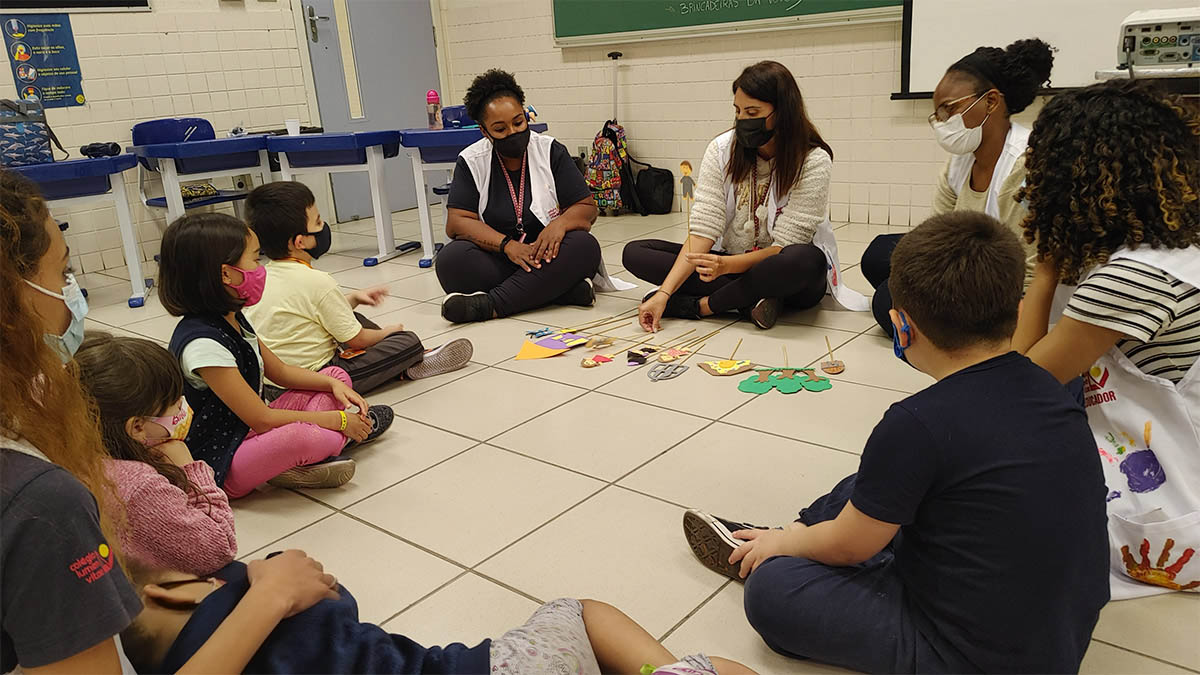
{"x": 347, "y": 397}
{"x": 369, "y": 296}
{"x": 357, "y": 428}
{"x": 760, "y": 545}
{"x": 294, "y": 578}
{"x": 176, "y": 452}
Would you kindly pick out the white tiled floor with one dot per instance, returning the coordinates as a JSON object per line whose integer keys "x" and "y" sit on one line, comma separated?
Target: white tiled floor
{"x": 512, "y": 482}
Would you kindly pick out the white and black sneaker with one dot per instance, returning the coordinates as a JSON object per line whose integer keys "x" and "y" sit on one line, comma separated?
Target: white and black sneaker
{"x": 467, "y": 307}
{"x": 712, "y": 540}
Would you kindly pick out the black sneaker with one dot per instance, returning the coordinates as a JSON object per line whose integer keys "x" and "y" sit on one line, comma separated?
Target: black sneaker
{"x": 765, "y": 313}
{"x": 712, "y": 540}
{"x": 328, "y": 473}
{"x": 581, "y": 294}
{"x": 680, "y": 306}
{"x": 467, "y": 307}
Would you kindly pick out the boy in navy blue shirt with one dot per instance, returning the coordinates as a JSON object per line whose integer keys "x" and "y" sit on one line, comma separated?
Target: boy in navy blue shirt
{"x": 973, "y": 537}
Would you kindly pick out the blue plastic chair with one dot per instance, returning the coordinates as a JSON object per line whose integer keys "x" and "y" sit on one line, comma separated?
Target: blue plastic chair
{"x": 187, "y": 149}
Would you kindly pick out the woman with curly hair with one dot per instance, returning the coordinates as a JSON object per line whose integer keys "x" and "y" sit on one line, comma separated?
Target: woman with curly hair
{"x": 519, "y": 214}
{"x": 1113, "y": 193}
{"x": 971, "y": 119}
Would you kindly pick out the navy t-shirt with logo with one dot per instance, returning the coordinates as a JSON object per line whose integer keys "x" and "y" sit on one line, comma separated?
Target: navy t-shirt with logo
{"x": 994, "y": 477}
{"x": 61, "y": 589}
{"x": 569, "y": 187}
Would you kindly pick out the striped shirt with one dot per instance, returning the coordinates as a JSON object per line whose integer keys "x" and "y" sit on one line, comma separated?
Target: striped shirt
{"x": 1158, "y": 314}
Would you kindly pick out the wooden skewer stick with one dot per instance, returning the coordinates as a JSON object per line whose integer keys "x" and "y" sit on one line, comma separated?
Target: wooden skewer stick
{"x": 829, "y": 348}
{"x": 596, "y": 323}
{"x": 785, "y": 359}
{"x": 691, "y": 344}
{"x": 735, "y": 348}
{"x": 678, "y": 341}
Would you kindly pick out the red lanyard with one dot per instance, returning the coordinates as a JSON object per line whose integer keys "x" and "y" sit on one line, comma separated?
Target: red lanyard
{"x": 517, "y": 200}
{"x": 754, "y": 203}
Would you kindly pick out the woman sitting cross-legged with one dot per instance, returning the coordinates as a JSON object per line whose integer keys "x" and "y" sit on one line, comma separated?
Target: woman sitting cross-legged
{"x": 519, "y": 213}
{"x": 759, "y": 236}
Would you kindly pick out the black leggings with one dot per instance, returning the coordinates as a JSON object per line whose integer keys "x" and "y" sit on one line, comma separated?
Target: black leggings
{"x": 795, "y": 275}
{"x": 877, "y": 267}
{"x": 463, "y": 267}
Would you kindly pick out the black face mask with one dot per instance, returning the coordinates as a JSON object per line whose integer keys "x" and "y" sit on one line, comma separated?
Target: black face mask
{"x": 512, "y": 145}
{"x": 324, "y": 241}
{"x": 753, "y": 133}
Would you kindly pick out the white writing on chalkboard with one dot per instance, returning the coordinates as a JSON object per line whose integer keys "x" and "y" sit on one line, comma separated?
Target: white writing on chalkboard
{"x": 700, "y": 6}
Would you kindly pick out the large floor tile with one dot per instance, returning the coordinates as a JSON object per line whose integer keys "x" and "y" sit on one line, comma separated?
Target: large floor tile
{"x": 354, "y": 245}
{"x": 870, "y": 359}
{"x": 468, "y": 610}
{"x": 422, "y": 286}
{"x": 493, "y": 341}
{"x": 850, "y": 252}
{"x": 694, "y": 392}
{"x": 362, "y": 557}
{"x": 742, "y": 474}
{"x": 332, "y": 262}
{"x": 620, "y": 547}
{"x": 109, "y": 304}
{"x": 366, "y": 277}
{"x": 159, "y": 328}
{"x": 1104, "y": 659}
{"x": 90, "y": 326}
{"x": 626, "y": 229}
{"x": 853, "y": 277}
{"x": 566, "y": 316}
{"x": 269, "y": 514}
{"x": 635, "y": 433}
{"x": 611, "y": 254}
{"x": 423, "y": 318}
{"x": 1155, "y": 626}
{"x": 406, "y": 448}
{"x": 829, "y": 315}
{"x": 400, "y": 390}
{"x": 864, "y": 233}
{"x": 487, "y": 403}
{"x": 841, "y": 417}
{"x": 471, "y": 506}
{"x": 720, "y": 629}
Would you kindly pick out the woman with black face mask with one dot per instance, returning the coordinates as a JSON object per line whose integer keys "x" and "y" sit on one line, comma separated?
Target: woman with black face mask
{"x": 519, "y": 213}
{"x": 759, "y": 237}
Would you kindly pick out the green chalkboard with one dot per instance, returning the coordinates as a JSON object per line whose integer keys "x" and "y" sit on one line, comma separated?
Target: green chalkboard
{"x": 579, "y": 18}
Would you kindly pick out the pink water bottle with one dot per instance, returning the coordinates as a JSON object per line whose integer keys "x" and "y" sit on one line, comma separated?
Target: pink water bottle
{"x": 433, "y": 107}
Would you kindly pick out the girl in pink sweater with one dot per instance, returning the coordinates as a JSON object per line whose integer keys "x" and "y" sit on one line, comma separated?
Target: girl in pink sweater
{"x": 176, "y": 515}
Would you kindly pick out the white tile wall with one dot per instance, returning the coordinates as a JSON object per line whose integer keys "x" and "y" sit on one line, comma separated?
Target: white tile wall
{"x": 230, "y": 62}
{"x": 675, "y": 96}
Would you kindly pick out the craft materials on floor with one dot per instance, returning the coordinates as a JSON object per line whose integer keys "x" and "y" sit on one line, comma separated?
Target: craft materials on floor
{"x": 784, "y": 379}
{"x": 601, "y": 359}
{"x": 727, "y": 366}
{"x": 683, "y": 349}
{"x": 671, "y": 369}
{"x": 832, "y": 366}
{"x": 541, "y": 345}
{"x": 540, "y": 332}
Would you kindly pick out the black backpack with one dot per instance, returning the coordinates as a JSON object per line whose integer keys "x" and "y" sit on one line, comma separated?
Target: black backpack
{"x": 655, "y": 188}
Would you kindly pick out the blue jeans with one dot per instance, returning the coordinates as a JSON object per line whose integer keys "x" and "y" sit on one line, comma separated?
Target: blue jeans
{"x": 853, "y": 616}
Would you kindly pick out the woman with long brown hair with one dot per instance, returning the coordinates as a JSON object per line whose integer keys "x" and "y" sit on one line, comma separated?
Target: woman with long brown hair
{"x": 63, "y": 596}
{"x": 759, "y": 236}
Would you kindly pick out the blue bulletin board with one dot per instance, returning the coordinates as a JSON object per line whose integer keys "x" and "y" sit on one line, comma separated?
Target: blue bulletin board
{"x": 42, "y": 58}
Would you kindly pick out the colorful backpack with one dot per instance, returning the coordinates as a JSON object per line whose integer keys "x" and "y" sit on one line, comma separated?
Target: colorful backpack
{"x": 604, "y": 168}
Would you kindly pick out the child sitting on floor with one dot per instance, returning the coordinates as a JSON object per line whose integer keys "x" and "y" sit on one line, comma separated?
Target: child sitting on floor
{"x": 209, "y": 271}
{"x": 300, "y": 631}
{"x": 304, "y": 316}
{"x": 972, "y": 538}
{"x": 175, "y": 514}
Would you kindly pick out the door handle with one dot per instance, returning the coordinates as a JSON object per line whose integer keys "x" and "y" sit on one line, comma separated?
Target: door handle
{"x": 312, "y": 22}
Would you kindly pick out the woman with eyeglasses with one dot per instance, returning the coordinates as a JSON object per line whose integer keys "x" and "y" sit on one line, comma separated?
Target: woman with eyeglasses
{"x": 973, "y": 103}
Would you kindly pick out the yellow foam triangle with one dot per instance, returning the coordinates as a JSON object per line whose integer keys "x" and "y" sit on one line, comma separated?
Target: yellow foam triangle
{"x": 530, "y": 350}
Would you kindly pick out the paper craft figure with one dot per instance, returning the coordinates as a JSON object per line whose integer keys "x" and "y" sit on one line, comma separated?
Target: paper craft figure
{"x": 669, "y": 370}
{"x": 687, "y": 186}
{"x": 725, "y": 367}
{"x": 598, "y": 359}
{"x": 541, "y": 332}
{"x": 832, "y": 366}
{"x": 673, "y": 354}
{"x": 600, "y": 342}
{"x": 551, "y": 345}
{"x": 638, "y": 357}
{"x": 783, "y": 379}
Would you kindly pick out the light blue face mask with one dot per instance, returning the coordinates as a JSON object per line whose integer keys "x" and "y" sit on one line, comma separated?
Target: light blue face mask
{"x": 68, "y": 343}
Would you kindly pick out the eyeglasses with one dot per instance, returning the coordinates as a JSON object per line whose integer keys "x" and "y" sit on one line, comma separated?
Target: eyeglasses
{"x": 943, "y": 111}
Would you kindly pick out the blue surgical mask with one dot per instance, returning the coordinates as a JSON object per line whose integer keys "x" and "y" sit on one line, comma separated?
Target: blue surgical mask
{"x": 896, "y": 348}
{"x": 68, "y": 343}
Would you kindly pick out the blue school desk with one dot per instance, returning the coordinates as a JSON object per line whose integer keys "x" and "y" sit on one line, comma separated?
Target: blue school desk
{"x": 344, "y": 152}
{"x": 81, "y": 181}
{"x": 436, "y": 150}
{"x": 199, "y": 160}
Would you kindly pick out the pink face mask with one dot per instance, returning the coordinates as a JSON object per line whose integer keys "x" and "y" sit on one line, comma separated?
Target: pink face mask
{"x": 177, "y": 424}
{"x": 253, "y": 283}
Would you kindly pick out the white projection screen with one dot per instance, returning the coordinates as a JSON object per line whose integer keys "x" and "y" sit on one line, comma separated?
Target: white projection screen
{"x": 1084, "y": 32}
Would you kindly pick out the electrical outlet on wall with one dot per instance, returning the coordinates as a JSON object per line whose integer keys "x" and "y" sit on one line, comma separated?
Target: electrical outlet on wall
{"x": 583, "y": 151}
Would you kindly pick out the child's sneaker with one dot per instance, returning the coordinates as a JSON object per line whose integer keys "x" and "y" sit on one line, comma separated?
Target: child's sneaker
{"x": 451, "y": 356}
{"x": 712, "y": 540}
{"x": 696, "y": 664}
{"x": 381, "y": 417}
{"x": 329, "y": 473}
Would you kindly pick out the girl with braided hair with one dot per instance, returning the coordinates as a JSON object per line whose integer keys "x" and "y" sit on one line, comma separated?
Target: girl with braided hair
{"x": 972, "y": 105}
{"x": 1113, "y": 193}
